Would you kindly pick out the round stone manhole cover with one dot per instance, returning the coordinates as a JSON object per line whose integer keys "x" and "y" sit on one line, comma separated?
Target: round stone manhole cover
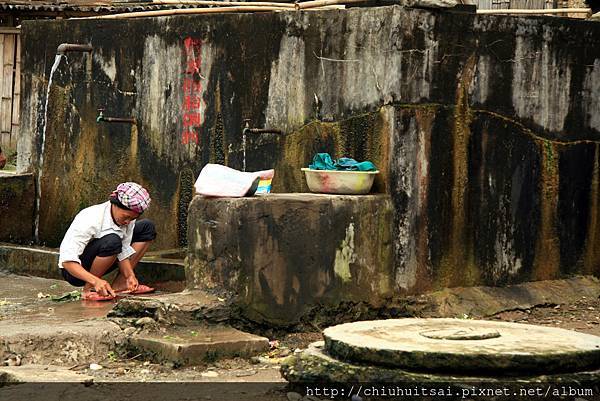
{"x": 460, "y": 345}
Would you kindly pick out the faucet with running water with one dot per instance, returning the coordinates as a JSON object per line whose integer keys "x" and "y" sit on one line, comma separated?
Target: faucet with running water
{"x": 63, "y": 48}
{"x": 61, "y": 51}
{"x": 247, "y": 130}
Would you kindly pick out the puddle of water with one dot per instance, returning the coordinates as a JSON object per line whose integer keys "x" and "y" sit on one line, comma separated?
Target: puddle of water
{"x": 83, "y": 309}
{"x": 60, "y": 312}
{"x": 19, "y": 300}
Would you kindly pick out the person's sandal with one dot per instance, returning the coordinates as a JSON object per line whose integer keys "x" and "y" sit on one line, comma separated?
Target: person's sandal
{"x": 141, "y": 289}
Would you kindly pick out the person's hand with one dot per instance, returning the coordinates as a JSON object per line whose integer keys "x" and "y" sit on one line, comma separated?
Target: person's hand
{"x": 132, "y": 283}
{"x": 103, "y": 288}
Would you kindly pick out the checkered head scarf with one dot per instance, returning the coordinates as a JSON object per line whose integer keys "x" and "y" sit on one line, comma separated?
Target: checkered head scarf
{"x": 131, "y": 195}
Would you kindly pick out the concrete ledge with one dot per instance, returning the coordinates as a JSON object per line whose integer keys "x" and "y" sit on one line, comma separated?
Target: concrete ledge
{"x": 17, "y": 198}
{"x": 29, "y": 260}
{"x": 279, "y": 256}
{"x": 43, "y": 262}
{"x": 160, "y": 270}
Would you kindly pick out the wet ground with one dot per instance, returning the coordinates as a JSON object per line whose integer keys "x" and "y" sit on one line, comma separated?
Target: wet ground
{"x": 27, "y": 301}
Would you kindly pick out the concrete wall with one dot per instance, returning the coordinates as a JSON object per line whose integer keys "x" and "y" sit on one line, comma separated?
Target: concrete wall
{"x": 285, "y": 256}
{"x": 486, "y": 128}
{"x": 17, "y": 195}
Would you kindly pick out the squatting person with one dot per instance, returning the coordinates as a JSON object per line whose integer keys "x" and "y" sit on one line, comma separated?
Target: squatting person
{"x": 105, "y": 237}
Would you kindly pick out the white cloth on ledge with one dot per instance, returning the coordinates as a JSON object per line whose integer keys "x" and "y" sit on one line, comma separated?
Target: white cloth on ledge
{"x": 221, "y": 181}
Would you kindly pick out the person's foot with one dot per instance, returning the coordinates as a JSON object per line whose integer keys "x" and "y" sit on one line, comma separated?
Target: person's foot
{"x": 94, "y": 296}
{"x": 119, "y": 284}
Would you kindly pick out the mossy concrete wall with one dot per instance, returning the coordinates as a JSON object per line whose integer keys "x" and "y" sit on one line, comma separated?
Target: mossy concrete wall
{"x": 17, "y": 196}
{"x": 279, "y": 257}
{"x": 486, "y": 128}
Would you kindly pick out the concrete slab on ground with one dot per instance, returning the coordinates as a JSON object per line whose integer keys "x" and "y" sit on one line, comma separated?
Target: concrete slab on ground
{"x": 174, "y": 308}
{"x": 48, "y": 332}
{"x": 186, "y": 300}
{"x": 197, "y": 344}
{"x": 66, "y": 343}
{"x": 41, "y": 373}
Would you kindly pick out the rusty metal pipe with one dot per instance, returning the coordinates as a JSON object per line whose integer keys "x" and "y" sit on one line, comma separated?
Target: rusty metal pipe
{"x": 262, "y": 131}
{"x": 248, "y": 130}
{"x": 72, "y": 47}
{"x": 102, "y": 118}
{"x": 129, "y": 120}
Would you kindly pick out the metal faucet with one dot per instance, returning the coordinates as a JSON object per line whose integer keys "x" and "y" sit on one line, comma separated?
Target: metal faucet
{"x": 101, "y": 117}
{"x": 72, "y": 47}
{"x": 248, "y": 130}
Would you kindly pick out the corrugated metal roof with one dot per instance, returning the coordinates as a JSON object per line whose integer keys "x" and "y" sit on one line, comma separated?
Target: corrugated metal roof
{"x": 90, "y": 7}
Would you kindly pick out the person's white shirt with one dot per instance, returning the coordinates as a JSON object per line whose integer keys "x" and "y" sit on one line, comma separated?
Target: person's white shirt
{"x": 94, "y": 222}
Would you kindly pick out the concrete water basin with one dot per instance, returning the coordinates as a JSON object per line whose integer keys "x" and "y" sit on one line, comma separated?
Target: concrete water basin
{"x": 165, "y": 273}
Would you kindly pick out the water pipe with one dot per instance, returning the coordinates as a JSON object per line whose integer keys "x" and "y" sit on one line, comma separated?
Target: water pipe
{"x": 72, "y": 47}
{"x": 248, "y": 130}
{"x": 102, "y": 118}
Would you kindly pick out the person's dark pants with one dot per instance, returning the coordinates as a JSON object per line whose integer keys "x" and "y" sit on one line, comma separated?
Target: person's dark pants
{"x": 110, "y": 245}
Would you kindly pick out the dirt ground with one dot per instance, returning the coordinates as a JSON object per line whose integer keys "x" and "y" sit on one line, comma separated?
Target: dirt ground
{"x": 262, "y": 368}
{"x": 582, "y": 315}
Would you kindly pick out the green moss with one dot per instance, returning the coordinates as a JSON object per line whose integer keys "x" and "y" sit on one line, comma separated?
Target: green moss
{"x": 420, "y": 106}
{"x": 591, "y": 258}
{"x": 186, "y": 193}
{"x": 549, "y": 157}
{"x": 17, "y": 196}
{"x": 547, "y": 251}
{"x": 218, "y": 142}
{"x": 359, "y": 137}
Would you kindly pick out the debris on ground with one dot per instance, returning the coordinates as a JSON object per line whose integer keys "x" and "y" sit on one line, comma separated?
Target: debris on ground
{"x": 14, "y": 360}
{"x": 67, "y": 296}
{"x": 209, "y": 373}
{"x": 95, "y": 366}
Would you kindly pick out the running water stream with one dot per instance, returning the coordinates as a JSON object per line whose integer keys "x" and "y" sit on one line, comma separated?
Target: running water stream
{"x": 244, "y": 149}
{"x": 41, "y": 162}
